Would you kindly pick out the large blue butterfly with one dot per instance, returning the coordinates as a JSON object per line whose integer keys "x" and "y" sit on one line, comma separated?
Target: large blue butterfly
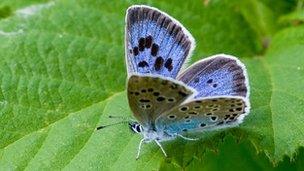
{"x": 167, "y": 101}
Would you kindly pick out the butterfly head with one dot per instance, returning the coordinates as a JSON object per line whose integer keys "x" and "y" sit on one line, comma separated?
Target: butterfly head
{"x": 149, "y": 134}
{"x": 135, "y": 127}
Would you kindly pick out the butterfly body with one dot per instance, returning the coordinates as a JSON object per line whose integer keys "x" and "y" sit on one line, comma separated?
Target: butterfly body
{"x": 167, "y": 100}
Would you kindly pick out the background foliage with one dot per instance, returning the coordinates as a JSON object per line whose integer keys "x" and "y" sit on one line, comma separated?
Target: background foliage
{"x": 62, "y": 73}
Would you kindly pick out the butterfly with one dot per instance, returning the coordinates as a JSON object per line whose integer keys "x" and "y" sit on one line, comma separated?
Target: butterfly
{"x": 169, "y": 100}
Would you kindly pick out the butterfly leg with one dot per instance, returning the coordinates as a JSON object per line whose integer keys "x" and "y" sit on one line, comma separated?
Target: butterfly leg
{"x": 186, "y": 138}
{"x": 161, "y": 147}
{"x": 139, "y": 148}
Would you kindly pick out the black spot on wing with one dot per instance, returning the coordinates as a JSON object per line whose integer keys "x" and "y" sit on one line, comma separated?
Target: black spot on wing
{"x": 213, "y": 118}
{"x": 184, "y": 108}
{"x": 135, "y": 51}
{"x": 182, "y": 94}
{"x": 160, "y": 99}
{"x": 239, "y": 109}
{"x": 202, "y": 125}
{"x": 144, "y": 100}
{"x": 168, "y": 64}
{"x": 192, "y": 113}
{"x": 141, "y": 44}
{"x": 158, "y": 63}
{"x": 149, "y": 41}
{"x": 156, "y": 93}
{"x": 143, "y": 64}
{"x": 154, "y": 49}
{"x": 196, "y": 80}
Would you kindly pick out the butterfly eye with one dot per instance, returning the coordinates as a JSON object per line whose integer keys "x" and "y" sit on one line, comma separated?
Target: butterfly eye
{"x": 138, "y": 128}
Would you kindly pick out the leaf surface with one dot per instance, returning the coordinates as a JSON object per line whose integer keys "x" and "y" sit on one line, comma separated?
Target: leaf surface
{"x": 62, "y": 73}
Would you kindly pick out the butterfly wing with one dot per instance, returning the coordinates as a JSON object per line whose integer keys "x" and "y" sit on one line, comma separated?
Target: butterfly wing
{"x": 222, "y": 97}
{"x": 220, "y": 75}
{"x": 155, "y": 42}
{"x": 149, "y": 96}
{"x": 202, "y": 114}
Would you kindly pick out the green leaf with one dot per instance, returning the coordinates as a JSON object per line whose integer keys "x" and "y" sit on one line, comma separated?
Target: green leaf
{"x": 241, "y": 156}
{"x": 284, "y": 66}
{"x": 62, "y": 73}
{"x": 5, "y": 11}
{"x": 18, "y": 4}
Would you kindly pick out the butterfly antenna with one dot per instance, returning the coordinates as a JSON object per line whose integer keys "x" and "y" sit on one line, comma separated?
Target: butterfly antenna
{"x": 120, "y": 117}
{"x": 105, "y": 126}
